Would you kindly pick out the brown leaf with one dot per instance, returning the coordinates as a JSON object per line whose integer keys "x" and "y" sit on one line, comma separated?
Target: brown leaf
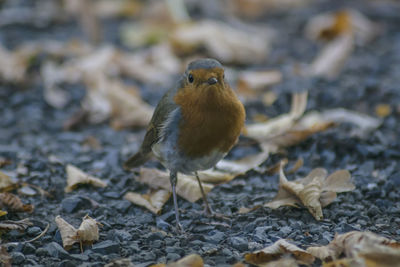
{"x": 154, "y": 201}
{"x": 244, "y": 45}
{"x": 383, "y": 110}
{"x": 5, "y": 258}
{"x": 4, "y": 162}
{"x": 13, "y": 203}
{"x": 76, "y": 177}
{"x": 88, "y": 231}
{"x": 67, "y": 231}
{"x": 187, "y": 186}
{"x": 356, "y": 245}
{"x": 277, "y": 251}
{"x": 21, "y": 225}
{"x": 313, "y": 191}
{"x": 5, "y": 181}
{"x": 192, "y": 260}
{"x": 249, "y": 82}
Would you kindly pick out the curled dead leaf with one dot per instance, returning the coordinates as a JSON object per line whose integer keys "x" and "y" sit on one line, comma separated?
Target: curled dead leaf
{"x": 249, "y": 82}
{"x": 13, "y": 203}
{"x": 313, "y": 191}
{"x": 21, "y": 225}
{"x": 243, "y": 44}
{"x": 192, "y": 260}
{"x": 5, "y": 181}
{"x": 153, "y": 201}
{"x": 278, "y": 250}
{"x": 76, "y": 177}
{"x": 5, "y": 258}
{"x": 360, "y": 247}
{"x": 187, "y": 186}
{"x": 87, "y": 233}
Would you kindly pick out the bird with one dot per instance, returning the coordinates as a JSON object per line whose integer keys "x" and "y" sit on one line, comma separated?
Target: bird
{"x": 195, "y": 124}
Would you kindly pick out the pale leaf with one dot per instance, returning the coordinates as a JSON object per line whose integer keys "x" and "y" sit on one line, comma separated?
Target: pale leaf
{"x": 153, "y": 201}
{"x": 226, "y": 43}
{"x": 67, "y": 231}
{"x": 187, "y": 186}
{"x": 243, "y": 165}
{"x": 88, "y": 231}
{"x": 249, "y": 82}
{"x": 192, "y": 260}
{"x": 332, "y": 58}
{"x": 278, "y": 250}
{"x": 15, "y": 225}
{"x": 77, "y": 177}
{"x": 339, "y": 181}
{"x": 13, "y": 203}
{"x": 5, "y": 180}
{"x": 281, "y": 124}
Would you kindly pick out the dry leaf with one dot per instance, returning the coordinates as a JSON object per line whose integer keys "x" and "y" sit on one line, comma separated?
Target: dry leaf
{"x": 278, "y": 250}
{"x": 5, "y": 181}
{"x": 2, "y": 213}
{"x": 187, "y": 186}
{"x": 383, "y": 110}
{"x": 154, "y": 201}
{"x": 241, "y": 44}
{"x": 67, "y": 231}
{"x": 192, "y": 260}
{"x": 361, "y": 247}
{"x": 87, "y": 233}
{"x": 13, "y": 203}
{"x": 332, "y": 25}
{"x": 8, "y": 225}
{"x": 125, "y": 262}
{"x": 5, "y": 258}
{"x": 13, "y": 65}
{"x": 313, "y": 191}
{"x": 4, "y": 162}
{"x": 252, "y": 81}
{"x": 76, "y": 177}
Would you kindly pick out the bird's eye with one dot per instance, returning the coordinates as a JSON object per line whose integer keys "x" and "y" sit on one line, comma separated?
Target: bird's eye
{"x": 190, "y": 78}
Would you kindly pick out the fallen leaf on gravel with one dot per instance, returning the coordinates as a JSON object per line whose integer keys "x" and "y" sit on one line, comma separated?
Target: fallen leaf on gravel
{"x": 249, "y": 82}
{"x": 5, "y": 258}
{"x": 154, "y": 201}
{"x": 4, "y": 162}
{"x": 5, "y": 181}
{"x": 331, "y": 59}
{"x": 383, "y": 110}
{"x": 331, "y": 25}
{"x": 243, "y": 45}
{"x": 112, "y": 99}
{"x": 343, "y": 29}
{"x": 314, "y": 191}
{"x": 192, "y": 260}
{"x": 362, "y": 247}
{"x": 2, "y": 213}
{"x": 278, "y": 250}
{"x": 13, "y": 203}
{"x": 13, "y": 65}
{"x": 76, "y": 177}
{"x": 67, "y": 231}
{"x": 21, "y": 225}
{"x": 87, "y": 233}
{"x": 187, "y": 186}
{"x": 125, "y": 262}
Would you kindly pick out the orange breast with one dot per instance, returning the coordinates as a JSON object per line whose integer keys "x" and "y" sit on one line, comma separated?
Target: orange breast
{"x": 212, "y": 119}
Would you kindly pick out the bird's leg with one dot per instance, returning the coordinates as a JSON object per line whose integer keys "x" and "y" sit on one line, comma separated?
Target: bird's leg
{"x": 173, "y": 178}
{"x": 208, "y": 210}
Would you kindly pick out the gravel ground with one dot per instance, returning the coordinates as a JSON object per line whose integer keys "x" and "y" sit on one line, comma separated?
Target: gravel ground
{"x": 31, "y": 134}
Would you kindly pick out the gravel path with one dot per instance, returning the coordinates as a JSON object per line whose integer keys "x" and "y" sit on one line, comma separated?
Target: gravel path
{"x": 31, "y": 134}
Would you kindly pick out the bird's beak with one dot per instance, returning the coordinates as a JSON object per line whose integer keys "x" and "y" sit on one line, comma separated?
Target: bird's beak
{"x": 212, "y": 81}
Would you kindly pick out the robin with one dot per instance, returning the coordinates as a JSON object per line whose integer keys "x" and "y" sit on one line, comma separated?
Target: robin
{"x": 193, "y": 126}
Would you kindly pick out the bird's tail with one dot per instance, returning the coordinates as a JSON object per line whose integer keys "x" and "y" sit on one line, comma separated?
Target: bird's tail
{"x": 136, "y": 160}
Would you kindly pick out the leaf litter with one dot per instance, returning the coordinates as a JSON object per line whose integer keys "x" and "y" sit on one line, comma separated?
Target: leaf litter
{"x": 76, "y": 177}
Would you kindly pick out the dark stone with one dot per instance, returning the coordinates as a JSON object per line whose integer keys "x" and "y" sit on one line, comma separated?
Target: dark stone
{"x": 17, "y": 257}
{"x": 33, "y": 231}
{"x": 123, "y": 206}
{"x": 173, "y": 257}
{"x": 155, "y": 236}
{"x": 215, "y": 237}
{"x": 80, "y": 257}
{"x": 66, "y": 263}
{"x": 41, "y": 252}
{"x": 106, "y": 247}
{"x": 119, "y": 235}
{"x": 56, "y": 251}
{"x": 73, "y": 203}
{"x": 373, "y": 211}
{"x": 239, "y": 243}
{"x": 28, "y": 248}
{"x": 163, "y": 225}
{"x": 285, "y": 230}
